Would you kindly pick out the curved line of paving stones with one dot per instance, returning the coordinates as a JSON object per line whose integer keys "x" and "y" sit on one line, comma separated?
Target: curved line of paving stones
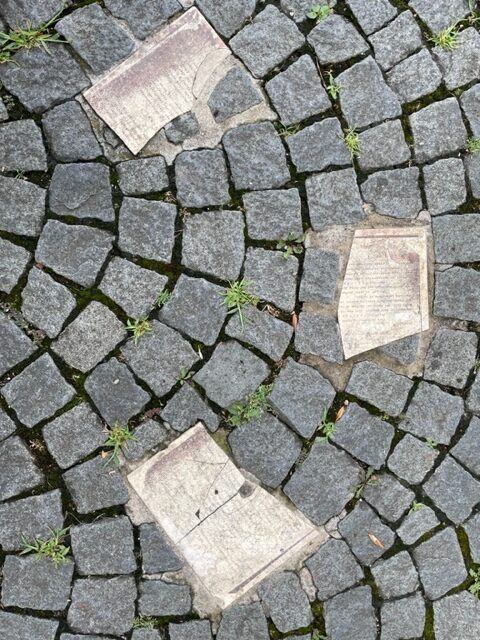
{"x": 68, "y": 366}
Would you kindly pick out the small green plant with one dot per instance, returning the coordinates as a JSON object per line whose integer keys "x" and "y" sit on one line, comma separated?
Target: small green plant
{"x": 118, "y": 437}
{"x": 477, "y": 365}
{"x": 316, "y": 635}
{"x": 448, "y": 39}
{"x": 327, "y": 428}
{"x": 4, "y": 57}
{"x": 431, "y": 443}
{"x": 252, "y": 407}
{"x": 51, "y": 547}
{"x": 163, "y": 298}
{"x": 416, "y": 506}
{"x": 369, "y": 478}
{"x": 144, "y": 622}
{"x": 286, "y": 130}
{"x": 332, "y": 86}
{"x": 319, "y": 12}
{"x": 184, "y": 375}
{"x": 352, "y": 140}
{"x": 237, "y": 297}
{"x": 473, "y": 145}
{"x": 138, "y": 328}
{"x": 292, "y": 245}
{"x": 30, "y": 37}
{"x": 475, "y": 587}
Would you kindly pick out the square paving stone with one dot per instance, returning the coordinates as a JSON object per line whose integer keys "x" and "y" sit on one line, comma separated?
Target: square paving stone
{"x": 16, "y": 14}
{"x": 110, "y": 45}
{"x": 300, "y": 396}
{"x": 416, "y": 524}
{"x": 267, "y": 448}
{"x": 82, "y": 190}
{"x": 193, "y": 630}
{"x": 243, "y": 622}
{"x": 133, "y": 288}
{"x": 456, "y": 238}
{"x": 267, "y": 41}
{"x": 433, "y": 413}
{"x": 472, "y": 529}
{"x": 457, "y": 617}
{"x": 472, "y": 167}
{"x": 396, "y": 41}
{"x": 364, "y": 436}
{"x": 372, "y": 15}
{"x": 23, "y": 207}
{"x": 415, "y": 77}
{"x": 146, "y": 228}
{"x": 334, "y": 569}
{"x": 323, "y": 484}
{"x": 383, "y": 146}
{"x": 143, "y": 18}
{"x": 235, "y": 93}
{"x": 379, "y": 386}
{"x": 46, "y": 303}
{"x": 319, "y": 336}
{"x": 15, "y": 345}
{"x": 298, "y": 93}
{"x": 103, "y": 605}
{"x": 148, "y": 435}
{"x": 351, "y": 614}
{"x": 74, "y": 251}
{"x": 13, "y": 263}
{"x": 451, "y": 356}
{"x": 19, "y": 627}
{"x": 172, "y": 354}
{"x": 18, "y": 471}
{"x": 403, "y": 618}
{"x": 473, "y": 398}
{"x": 261, "y": 330}
{"x": 396, "y": 576}
{"x": 470, "y": 102}
{"x": 201, "y": 178}
{"x": 93, "y": 485}
{"x": 319, "y": 146}
{"x": 114, "y": 392}
{"x": 442, "y": 15}
{"x": 335, "y": 40}
{"x": 33, "y": 583}
{"x": 273, "y": 215}
{"x": 231, "y": 374}
{"x": 334, "y": 198}
{"x": 285, "y": 602}
{"x": 182, "y": 128}
{"x": 90, "y": 337}
{"x": 445, "y": 187}
{"x": 104, "y": 547}
{"x": 158, "y": 555}
{"x": 21, "y": 147}
{"x": 388, "y": 496}
{"x": 159, "y": 598}
{"x": 186, "y": 408}
{"x": 225, "y": 17}
{"x": 142, "y": 175}
{"x": 41, "y": 79}
{"x": 213, "y": 243}
{"x": 256, "y": 156}
{"x": 7, "y": 426}
{"x": 394, "y": 193}
{"x": 456, "y": 294}
{"x": 272, "y": 277}
{"x": 437, "y": 130}
{"x": 453, "y": 490}
{"x": 38, "y": 392}
{"x": 357, "y": 526}
{"x": 74, "y": 435}
{"x": 440, "y": 563}
{"x": 404, "y": 351}
{"x": 69, "y": 133}
{"x": 195, "y": 309}
{"x": 460, "y": 65}
{"x": 467, "y": 448}
{"x": 365, "y": 97}
{"x": 33, "y": 517}
{"x": 412, "y": 459}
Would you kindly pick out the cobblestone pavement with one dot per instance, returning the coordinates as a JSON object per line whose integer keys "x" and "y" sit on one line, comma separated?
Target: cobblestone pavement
{"x": 93, "y": 240}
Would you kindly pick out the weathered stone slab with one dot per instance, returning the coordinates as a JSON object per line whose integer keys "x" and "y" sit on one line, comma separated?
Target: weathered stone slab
{"x": 231, "y": 532}
{"x": 146, "y": 92}
{"x": 385, "y": 291}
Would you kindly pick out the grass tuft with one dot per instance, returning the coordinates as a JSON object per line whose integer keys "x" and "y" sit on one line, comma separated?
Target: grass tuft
{"x": 332, "y": 86}
{"x": 29, "y": 37}
{"x": 237, "y": 297}
{"x": 292, "y": 245}
{"x": 327, "y": 428}
{"x": 352, "y": 140}
{"x": 138, "y": 328}
{"x": 163, "y": 298}
{"x": 118, "y": 437}
{"x": 51, "y": 547}
{"x": 319, "y": 12}
{"x": 447, "y": 39}
{"x": 473, "y": 145}
{"x": 252, "y": 407}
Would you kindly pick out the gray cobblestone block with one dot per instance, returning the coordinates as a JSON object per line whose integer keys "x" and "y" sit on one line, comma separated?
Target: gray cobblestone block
{"x": 321, "y": 270}
{"x": 143, "y": 18}
{"x": 412, "y": 459}
{"x": 383, "y": 146}
{"x": 69, "y": 133}
{"x": 182, "y": 128}
{"x": 7, "y": 426}
{"x": 445, "y": 188}
{"x": 18, "y": 471}
{"x": 451, "y": 356}
{"x": 242, "y": 622}
{"x": 285, "y": 601}
{"x": 379, "y": 386}
{"x": 159, "y": 598}
{"x": 456, "y": 294}
{"x": 201, "y": 178}
{"x": 262, "y": 331}
{"x": 394, "y": 193}
{"x": 17, "y": 14}
{"x": 404, "y": 350}
{"x": 142, "y": 175}
{"x": 472, "y": 529}
{"x": 273, "y": 215}
{"x": 192, "y": 630}
{"x": 15, "y": 345}
{"x": 396, "y": 576}
{"x": 457, "y": 617}
{"x": 456, "y": 238}
{"x": 235, "y": 93}
{"x": 357, "y": 526}
{"x": 225, "y": 17}
{"x": 472, "y": 167}
{"x": 319, "y": 336}
{"x": 147, "y": 228}
{"x": 335, "y": 40}
{"x": 470, "y": 102}
{"x": 23, "y": 207}
{"x": 14, "y": 626}
{"x": 403, "y": 617}
{"x": 473, "y": 398}
{"x": 372, "y": 15}
{"x": 149, "y": 435}
{"x": 186, "y": 408}
{"x": 388, "y": 497}
{"x": 272, "y": 277}
{"x": 351, "y": 614}
{"x": 334, "y": 569}
{"x": 396, "y": 41}
{"x": 442, "y": 15}
{"x": 21, "y": 146}
{"x": 158, "y": 555}
{"x": 334, "y": 198}
{"x": 13, "y": 263}
{"x": 467, "y": 448}
{"x": 416, "y": 524}
{"x": 429, "y": 142}
{"x": 319, "y": 146}
{"x": 415, "y": 77}
{"x": 460, "y": 65}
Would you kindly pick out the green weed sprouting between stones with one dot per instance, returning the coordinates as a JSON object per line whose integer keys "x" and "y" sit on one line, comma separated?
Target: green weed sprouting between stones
{"x": 144, "y": 622}
{"x": 285, "y": 130}
{"x": 51, "y": 547}
{"x": 138, "y": 328}
{"x": 475, "y": 587}
{"x": 447, "y": 39}
{"x": 332, "y": 86}
{"x": 326, "y": 427}
{"x": 163, "y": 298}
{"x": 316, "y": 635}
{"x": 118, "y": 437}
{"x": 319, "y": 12}
{"x": 252, "y": 407}
{"x": 292, "y": 245}
{"x": 184, "y": 375}
{"x": 28, "y": 37}
{"x": 431, "y": 443}
{"x": 473, "y": 145}
{"x": 352, "y": 140}
{"x": 416, "y": 506}
{"x": 369, "y": 479}
{"x": 236, "y": 298}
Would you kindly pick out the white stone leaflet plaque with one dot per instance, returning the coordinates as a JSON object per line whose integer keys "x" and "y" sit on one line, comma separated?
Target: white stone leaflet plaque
{"x": 231, "y": 531}
{"x": 384, "y": 294}
{"x": 159, "y": 81}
